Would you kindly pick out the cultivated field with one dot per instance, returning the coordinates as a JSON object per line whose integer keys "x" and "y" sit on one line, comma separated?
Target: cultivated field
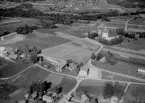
{"x": 93, "y": 87}
{"x": 26, "y": 78}
{"x": 135, "y": 93}
{"x": 68, "y": 51}
{"x": 41, "y": 43}
{"x": 79, "y": 51}
{"x": 8, "y": 68}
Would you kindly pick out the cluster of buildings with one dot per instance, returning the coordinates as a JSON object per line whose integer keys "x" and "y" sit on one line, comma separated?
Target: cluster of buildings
{"x": 62, "y": 65}
{"x": 104, "y": 33}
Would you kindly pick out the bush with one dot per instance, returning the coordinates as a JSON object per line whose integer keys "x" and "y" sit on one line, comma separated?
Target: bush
{"x": 92, "y": 35}
{"x": 25, "y": 29}
{"x": 93, "y": 56}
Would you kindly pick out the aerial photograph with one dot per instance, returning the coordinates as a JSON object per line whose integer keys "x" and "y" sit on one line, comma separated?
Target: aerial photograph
{"x": 72, "y": 51}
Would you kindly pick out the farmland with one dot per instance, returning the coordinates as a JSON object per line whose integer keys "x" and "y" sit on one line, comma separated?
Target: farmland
{"x": 41, "y": 43}
{"x": 135, "y": 93}
{"x": 79, "y": 52}
{"x": 110, "y": 76}
{"x": 93, "y": 87}
{"x": 28, "y": 76}
{"x": 9, "y": 68}
{"x": 120, "y": 67}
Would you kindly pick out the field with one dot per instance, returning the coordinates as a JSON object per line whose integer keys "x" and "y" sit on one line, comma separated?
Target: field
{"x": 41, "y": 43}
{"x": 93, "y": 87}
{"x": 110, "y": 76}
{"x": 11, "y": 24}
{"x": 36, "y": 73}
{"x": 135, "y": 94}
{"x": 30, "y": 75}
{"x": 8, "y": 68}
{"x": 126, "y": 59}
{"x": 79, "y": 52}
{"x": 134, "y": 45}
{"x": 120, "y": 67}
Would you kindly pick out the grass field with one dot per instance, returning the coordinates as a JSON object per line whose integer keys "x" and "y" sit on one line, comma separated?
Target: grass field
{"x": 9, "y": 68}
{"x": 135, "y": 94}
{"x": 30, "y": 75}
{"x": 68, "y": 51}
{"x": 41, "y": 43}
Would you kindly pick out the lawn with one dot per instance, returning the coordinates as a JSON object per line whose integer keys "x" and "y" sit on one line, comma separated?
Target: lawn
{"x": 41, "y": 43}
{"x": 32, "y": 74}
{"x": 9, "y": 68}
{"x": 135, "y": 93}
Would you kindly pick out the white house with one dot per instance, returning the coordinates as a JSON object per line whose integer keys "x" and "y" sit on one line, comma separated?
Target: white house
{"x": 141, "y": 71}
{"x": 84, "y": 71}
{"x": 2, "y": 49}
{"x": 47, "y": 98}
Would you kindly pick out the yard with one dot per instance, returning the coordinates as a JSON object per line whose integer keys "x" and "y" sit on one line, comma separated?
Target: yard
{"x": 41, "y": 43}
{"x": 8, "y": 68}
{"x": 135, "y": 94}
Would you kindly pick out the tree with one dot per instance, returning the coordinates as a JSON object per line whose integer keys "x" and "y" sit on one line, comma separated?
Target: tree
{"x": 93, "y": 56}
{"x": 120, "y": 31}
{"x": 111, "y": 90}
{"x": 108, "y": 90}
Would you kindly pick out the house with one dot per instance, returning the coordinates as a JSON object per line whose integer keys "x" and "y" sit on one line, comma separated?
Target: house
{"x": 141, "y": 71}
{"x": 84, "y": 98}
{"x": 84, "y": 71}
{"x": 103, "y": 60}
{"x": 47, "y": 98}
{"x": 2, "y": 49}
{"x": 71, "y": 66}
